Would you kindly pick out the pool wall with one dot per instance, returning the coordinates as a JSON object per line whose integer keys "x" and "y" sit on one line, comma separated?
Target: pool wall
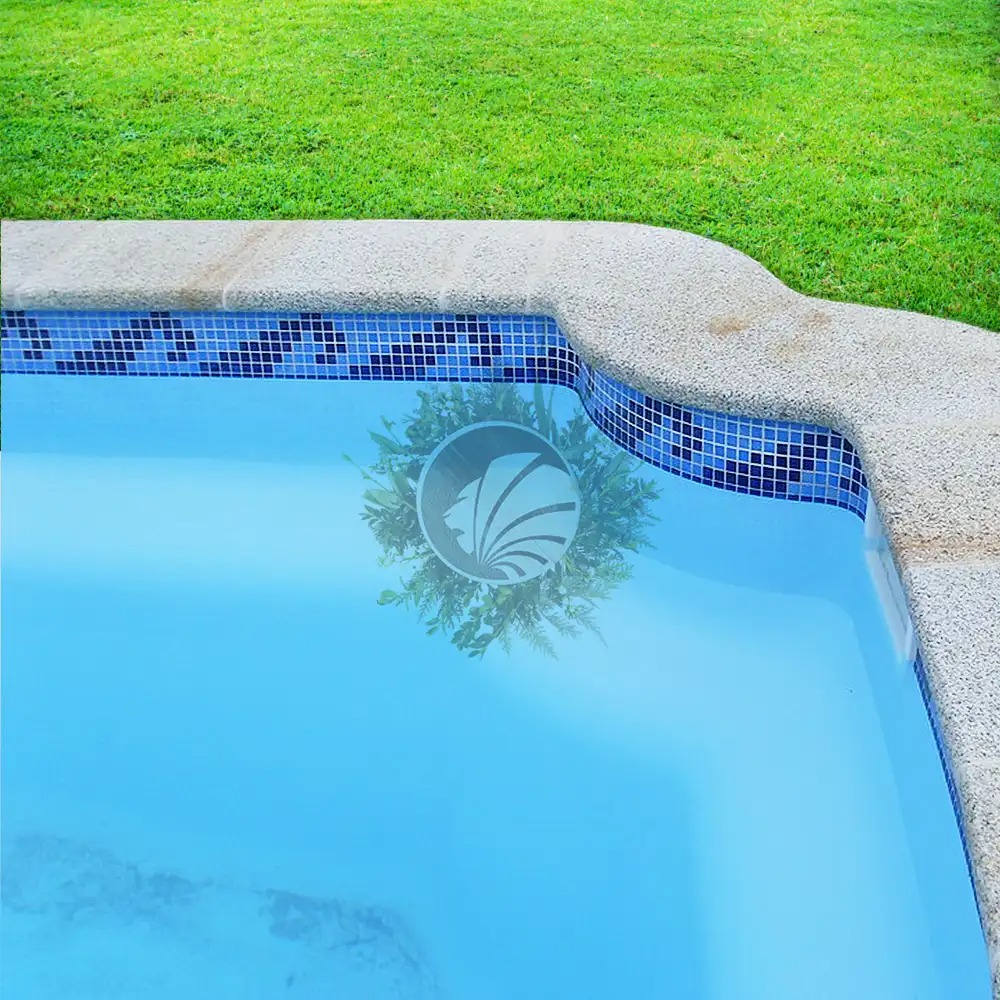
{"x": 666, "y": 335}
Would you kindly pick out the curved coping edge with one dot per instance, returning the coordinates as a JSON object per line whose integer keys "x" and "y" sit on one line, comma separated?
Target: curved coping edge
{"x": 677, "y": 316}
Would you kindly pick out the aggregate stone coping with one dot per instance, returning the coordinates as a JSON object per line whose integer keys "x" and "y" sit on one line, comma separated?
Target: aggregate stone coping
{"x": 682, "y": 318}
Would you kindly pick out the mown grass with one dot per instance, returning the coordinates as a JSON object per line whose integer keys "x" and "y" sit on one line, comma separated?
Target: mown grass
{"x": 852, "y": 146}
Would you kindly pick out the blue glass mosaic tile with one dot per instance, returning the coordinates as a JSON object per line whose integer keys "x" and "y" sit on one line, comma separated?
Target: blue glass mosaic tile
{"x": 942, "y": 748}
{"x": 761, "y": 457}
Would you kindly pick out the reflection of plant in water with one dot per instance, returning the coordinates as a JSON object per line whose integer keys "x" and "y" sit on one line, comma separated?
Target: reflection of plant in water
{"x": 613, "y": 518}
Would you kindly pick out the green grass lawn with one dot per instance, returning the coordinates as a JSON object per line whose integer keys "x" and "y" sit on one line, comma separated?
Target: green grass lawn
{"x": 852, "y": 146}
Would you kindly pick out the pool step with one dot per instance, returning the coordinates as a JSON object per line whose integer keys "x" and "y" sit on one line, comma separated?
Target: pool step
{"x": 888, "y": 586}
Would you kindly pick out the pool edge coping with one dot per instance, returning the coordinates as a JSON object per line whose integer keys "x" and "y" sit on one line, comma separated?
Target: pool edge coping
{"x": 683, "y": 319}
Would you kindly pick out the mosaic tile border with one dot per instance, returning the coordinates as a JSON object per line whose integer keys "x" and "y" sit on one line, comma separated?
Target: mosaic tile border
{"x": 770, "y": 458}
{"x": 944, "y": 755}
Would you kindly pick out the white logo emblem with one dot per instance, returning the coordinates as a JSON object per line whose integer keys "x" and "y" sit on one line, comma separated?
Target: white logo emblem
{"x": 498, "y": 503}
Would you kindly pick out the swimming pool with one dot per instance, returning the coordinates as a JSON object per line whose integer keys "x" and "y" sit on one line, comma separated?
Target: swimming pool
{"x": 376, "y": 665}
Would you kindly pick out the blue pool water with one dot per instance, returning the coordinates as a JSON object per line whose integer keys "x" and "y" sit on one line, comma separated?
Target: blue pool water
{"x": 234, "y": 767}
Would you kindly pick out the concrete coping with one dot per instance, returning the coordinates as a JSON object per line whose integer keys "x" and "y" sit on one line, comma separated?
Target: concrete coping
{"x": 684, "y": 319}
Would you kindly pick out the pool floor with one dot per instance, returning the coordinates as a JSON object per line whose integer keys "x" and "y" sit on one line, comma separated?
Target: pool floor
{"x": 235, "y": 766}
